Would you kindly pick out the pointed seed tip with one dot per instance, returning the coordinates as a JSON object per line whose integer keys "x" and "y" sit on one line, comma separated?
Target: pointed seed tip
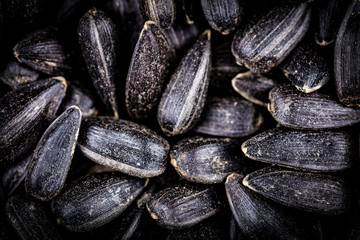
{"x": 173, "y": 162}
{"x": 61, "y": 79}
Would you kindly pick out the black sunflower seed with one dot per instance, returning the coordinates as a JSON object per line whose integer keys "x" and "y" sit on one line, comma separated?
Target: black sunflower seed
{"x": 160, "y": 11}
{"x": 16, "y": 74}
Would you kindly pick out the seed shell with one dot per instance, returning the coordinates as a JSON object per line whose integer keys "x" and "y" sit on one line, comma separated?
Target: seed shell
{"x": 183, "y": 100}
{"x": 315, "y": 110}
{"x": 229, "y": 117}
{"x": 182, "y": 34}
{"x": 347, "y": 58}
{"x": 259, "y": 218}
{"x": 30, "y": 219}
{"x": 206, "y": 160}
{"x": 148, "y": 71}
{"x": 25, "y": 113}
{"x": 16, "y": 74}
{"x": 321, "y": 194}
{"x": 95, "y": 200}
{"x": 98, "y": 41}
{"x": 42, "y": 51}
{"x": 326, "y": 151}
{"x": 160, "y": 11}
{"x": 266, "y": 44}
{"x": 222, "y": 15}
{"x": 124, "y": 146}
{"x": 254, "y": 87}
{"x": 183, "y": 206}
{"x": 52, "y": 157}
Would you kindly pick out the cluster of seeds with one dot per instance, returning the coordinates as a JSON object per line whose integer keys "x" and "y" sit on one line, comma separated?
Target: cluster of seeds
{"x": 180, "y": 119}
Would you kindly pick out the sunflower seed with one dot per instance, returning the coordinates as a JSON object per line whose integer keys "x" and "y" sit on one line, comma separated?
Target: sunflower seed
{"x": 149, "y": 68}
{"x": 25, "y": 113}
{"x": 95, "y": 200}
{"x": 182, "y": 34}
{"x": 183, "y": 100}
{"x": 98, "y": 42}
{"x": 16, "y": 74}
{"x": 316, "y": 110}
{"x": 160, "y": 11}
{"x": 124, "y": 146}
{"x": 322, "y": 194}
{"x": 52, "y": 157}
{"x": 267, "y": 43}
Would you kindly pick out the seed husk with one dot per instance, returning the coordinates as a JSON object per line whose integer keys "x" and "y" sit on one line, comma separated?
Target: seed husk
{"x": 258, "y": 217}
{"x": 42, "y": 51}
{"x": 316, "y": 110}
{"x": 30, "y": 219}
{"x": 222, "y": 15}
{"x": 123, "y": 145}
{"x": 160, "y": 11}
{"x": 94, "y": 200}
{"x": 52, "y": 157}
{"x": 206, "y": 160}
{"x": 325, "y": 151}
{"x": 24, "y": 115}
{"x": 254, "y": 87}
{"x": 16, "y": 74}
{"x": 229, "y": 117}
{"x": 98, "y": 41}
{"x": 266, "y": 44}
{"x": 306, "y": 68}
{"x": 148, "y": 71}
{"x": 183, "y": 206}
{"x": 183, "y": 100}
{"x": 182, "y": 34}
{"x": 317, "y": 193}
{"x": 347, "y": 58}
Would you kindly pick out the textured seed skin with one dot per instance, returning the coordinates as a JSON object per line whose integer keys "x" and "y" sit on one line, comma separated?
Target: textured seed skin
{"x": 266, "y": 44}
{"x": 52, "y": 157}
{"x": 30, "y": 219}
{"x": 16, "y": 74}
{"x": 14, "y": 175}
{"x": 206, "y": 160}
{"x": 148, "y": 71}
{"x": 182, "y": 34}
{"x": 309, "y": 192}
{"x": 295, "y": 109}
{"x": 42, "y": 51}
{"x": 160, "y": 11}
{"x": 222, "y": 15}
{"x": 98, "y": 41}
{"x": 24, "y": 115}
{"x": 347, "y": 58}
{"x": 328, "y": 18}
{"x": 183, "y": 100}
{"x": 183, "y": 206}
{"x": 259, "y": 218}
{"x": 306, "y": 69}
{"x": 95, "y": 200}
{"x": 229, "y": 117}
{"x": 326, "y": 151}
{"x": 124, "y": 146}
{"x": 254, "y": 87}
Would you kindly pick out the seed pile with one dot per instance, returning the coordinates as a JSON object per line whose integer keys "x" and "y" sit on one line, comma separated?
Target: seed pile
{"x": 179, "y": 119}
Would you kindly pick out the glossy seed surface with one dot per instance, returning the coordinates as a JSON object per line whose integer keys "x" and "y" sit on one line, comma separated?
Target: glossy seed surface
{"x": 254, "y": 87}
{"x": 148, "y": 71}
{"x": 259, "y": 218}
{"x": 183, "y": 100}
{"x": 98, "y": 41}
{"x": 95, "y": 200}
{"x": 206, "y": 160}
{"x": 82, "y": 98}
{"x": 294, "y": 109}
{"x": 183, "y": 206}
{"x": 52, "y": 157}
{"x": 42, "y": 51}
{"x": 160, "y": 11}
{"x": 123, "y": 145}
{"x": 327, "y": 151}
{"x": 347, "y": 58}
{"x": 321, "y": 194}
{"x": 25, "y": 113}
{"x": 222, "y": 15}
{"x": 229, "y": 117}
{"x": 267, "y": 43}
{"x": 15, "y": 74}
